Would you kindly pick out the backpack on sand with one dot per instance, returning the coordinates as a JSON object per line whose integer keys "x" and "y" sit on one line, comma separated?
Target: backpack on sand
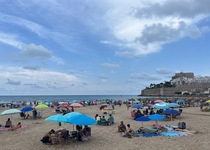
{"x": 182, "y": 125}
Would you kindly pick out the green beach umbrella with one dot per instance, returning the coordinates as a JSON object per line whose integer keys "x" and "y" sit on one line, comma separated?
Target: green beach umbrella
{"x": 41, "y": 106}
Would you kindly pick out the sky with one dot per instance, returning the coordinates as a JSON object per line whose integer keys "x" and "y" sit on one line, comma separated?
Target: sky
{"x": 100, "y": 47}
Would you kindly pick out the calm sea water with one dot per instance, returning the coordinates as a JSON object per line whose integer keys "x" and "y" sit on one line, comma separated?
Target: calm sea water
{"x": 68, "y": 98}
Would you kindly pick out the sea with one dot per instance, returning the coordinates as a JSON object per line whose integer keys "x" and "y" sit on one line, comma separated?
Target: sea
{"x": 66, "y": 98}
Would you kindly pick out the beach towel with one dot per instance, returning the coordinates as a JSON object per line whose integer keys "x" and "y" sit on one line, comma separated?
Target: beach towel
{"x": 8, "y": 129}
{"x": 150, "y": 135}
{"x": 174, "y": 134}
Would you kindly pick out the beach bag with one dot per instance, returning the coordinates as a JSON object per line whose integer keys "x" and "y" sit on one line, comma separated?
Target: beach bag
{"x": 182, "y": 125}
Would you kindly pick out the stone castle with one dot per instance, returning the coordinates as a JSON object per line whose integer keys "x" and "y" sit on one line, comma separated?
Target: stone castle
{"x": 180, "y": 84}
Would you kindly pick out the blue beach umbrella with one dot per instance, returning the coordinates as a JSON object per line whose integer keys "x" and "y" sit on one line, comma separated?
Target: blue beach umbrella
{"x": 172, "y": 112}
{"x": 172, "y": 105}
{"x": 142, "y": 119}
{"x": 82, "y": 119}
{"x": 156, "y": 117}
{"x": 137, "y": 106}
{"x": 161, "y": 105}
{"x": 26, "y": 109}
{"x": 181, "y": 101}
{"x": 71, "y": 114}
{"x": 56, "y": 118}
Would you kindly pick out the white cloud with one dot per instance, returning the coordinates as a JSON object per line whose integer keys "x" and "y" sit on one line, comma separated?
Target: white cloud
{"x": 29, "y": 50}
{"x": 33, "y": 50}
{"x": 142, "y": 27}
{"x": 110, "y": 65}
{"x": 37, "y": 76}
{"x": 10, "y": 39}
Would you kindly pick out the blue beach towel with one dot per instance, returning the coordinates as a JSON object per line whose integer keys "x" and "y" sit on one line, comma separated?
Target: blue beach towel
{"x": 150, "y": 135}
{"x": 174, "y": 134}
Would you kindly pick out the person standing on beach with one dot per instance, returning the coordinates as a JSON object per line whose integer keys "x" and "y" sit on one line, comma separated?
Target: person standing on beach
{"x": 34, "y": 113}
{"x": 201, "y": 106}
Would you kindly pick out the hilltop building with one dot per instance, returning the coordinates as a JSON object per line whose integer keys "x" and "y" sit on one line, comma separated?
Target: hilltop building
{"x": 180, "y": 84}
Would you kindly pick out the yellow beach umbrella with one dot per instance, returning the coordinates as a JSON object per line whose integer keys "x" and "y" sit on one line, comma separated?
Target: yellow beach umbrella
{"x": 208, "y": 101}
{"x": 41, "y": 106}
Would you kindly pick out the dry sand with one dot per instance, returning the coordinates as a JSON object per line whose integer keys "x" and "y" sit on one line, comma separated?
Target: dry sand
{"x": 106, "y": 137}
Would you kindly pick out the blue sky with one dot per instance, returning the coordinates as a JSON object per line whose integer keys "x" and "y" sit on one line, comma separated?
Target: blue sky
{"x": 85, "y": 47}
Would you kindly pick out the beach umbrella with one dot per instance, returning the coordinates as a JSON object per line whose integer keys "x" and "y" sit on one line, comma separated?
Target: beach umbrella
{"x": 56, "y": 118}
{"x": 137, "y": 106}
{"x": 156, "y": 117}
{"x": 173, "y": 101}
{"x": 142, "y": 119}
{"x": 82, "y": 119}
{"x": 150, "y": 105}
{"x": 27, "y": 108}
{"x": 158, "y": 101}
{"x": 208, "y": 101}
{"x": 41, "y": 106}
{"x": 171, "y": 112}
{"x": 180, "y": 101}
{"x": 71, "y": 114}
{"x": 172, "y": 105}
{"x": 76, "y": 105}
{"x": 161, "y": 105}
{"x": 65, "y": 105}
{"x": 10, "y": 111}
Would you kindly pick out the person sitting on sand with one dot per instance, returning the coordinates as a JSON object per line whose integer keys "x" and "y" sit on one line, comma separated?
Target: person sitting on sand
{"x": 129, "y": 132}
{"x": 16, "y": 127}
{"x": 86, "y": 131}
{"x": 121, "y": 127}
{"x": 8, "y": 123}
{"x": 98, "y": 119}
{"x": 62, "y": 135}
{"x": 110, "y": 120}
{"x": 103, "y": 121}
{"x": 50, "y": 137}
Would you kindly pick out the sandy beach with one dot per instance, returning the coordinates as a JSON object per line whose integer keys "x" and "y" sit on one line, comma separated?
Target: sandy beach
{"x": 107, "y": 137}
